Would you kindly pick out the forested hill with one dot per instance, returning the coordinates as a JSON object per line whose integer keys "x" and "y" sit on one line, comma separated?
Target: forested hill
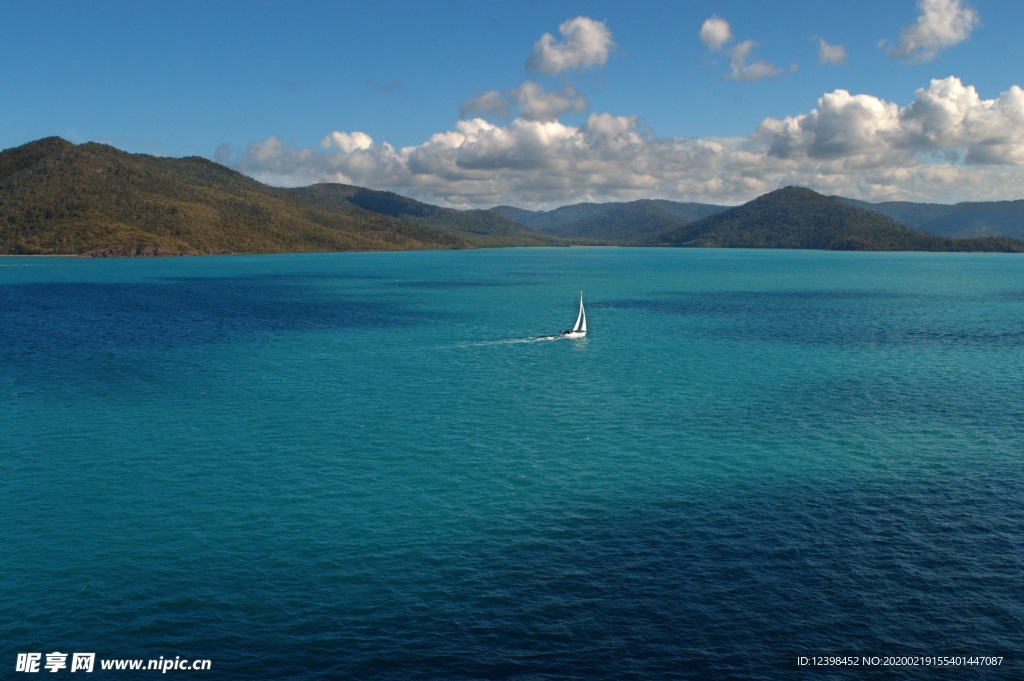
{"x": 61, "y": 198}
{"x": 796, "y": 217}
{"x": 483, "y": 227}
{"x": 641, "y": 221}
{"x": 969, "y": 218}
{"x": 631, "y": 222}
{"x": 91, "y": 199}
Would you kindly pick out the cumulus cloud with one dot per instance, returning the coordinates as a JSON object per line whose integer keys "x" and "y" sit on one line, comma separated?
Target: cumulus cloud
{"x": 537, "y": 105}
{"x": 830, "y": 54}
{"x": 950, "y": 115}
{"x": 855, "y": 129}
{"x": 715, "y": 33}
{"x": 532, "y": 101}
{"x": 946, "y": 118}
{"x": 941, "y": 24}
{"x": 741, "y": 70}
{"x": 947, "y": 144}
{"x": 587, "y": 43}
{"x": 347, "y": 142}
{"x": 491, "y": 103}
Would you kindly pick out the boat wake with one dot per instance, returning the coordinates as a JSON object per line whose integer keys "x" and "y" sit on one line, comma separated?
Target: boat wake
{"x": 511, "y": 341}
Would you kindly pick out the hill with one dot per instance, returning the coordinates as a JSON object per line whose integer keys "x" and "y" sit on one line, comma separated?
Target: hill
{"x": 796, "y": 217}
{"x": 61, "y": 198}
{"x": 635, "y": 221}
{"x": 966, "y": 219}
{"x": 482, "y": 227}
{"x": 520, "y": 215}
{"x": 550, "y": 221}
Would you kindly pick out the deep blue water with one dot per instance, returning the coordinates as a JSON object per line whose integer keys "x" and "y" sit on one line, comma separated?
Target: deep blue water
{"x": 366, "y": 466}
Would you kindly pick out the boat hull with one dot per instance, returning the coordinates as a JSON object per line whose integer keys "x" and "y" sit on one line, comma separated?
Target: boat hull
{"x": 574, "y": 334}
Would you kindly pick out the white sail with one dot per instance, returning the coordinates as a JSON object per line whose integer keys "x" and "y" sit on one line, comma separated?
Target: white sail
{"x": 579, "y": 329}
{"x": 581, "y": 320}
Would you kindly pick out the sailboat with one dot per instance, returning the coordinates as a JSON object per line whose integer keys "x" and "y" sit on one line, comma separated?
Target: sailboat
{"x": 579, "y": 330}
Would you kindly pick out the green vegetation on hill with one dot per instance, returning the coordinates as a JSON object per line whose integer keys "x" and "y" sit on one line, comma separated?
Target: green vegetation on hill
{"x": 482, "y": 227}
{"x": 520, "y": 215}
{"x": 550, "y": 221}
{"x": 635, "y": 222}
{"x": 795, "y": 217}
{"x": 624, "y": 223}
{"x": 61, "y": 198}
{"x": 967, "y": 219}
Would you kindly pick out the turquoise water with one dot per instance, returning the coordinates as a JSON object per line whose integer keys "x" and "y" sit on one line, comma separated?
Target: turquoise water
{"x": 367, "y": 466}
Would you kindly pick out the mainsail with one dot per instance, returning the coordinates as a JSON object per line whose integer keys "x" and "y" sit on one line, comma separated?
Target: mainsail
{"x": 581, "y": 320}
{"x": 579, "y": 329}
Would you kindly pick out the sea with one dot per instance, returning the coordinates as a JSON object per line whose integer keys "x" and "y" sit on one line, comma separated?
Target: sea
{"x": 757, "y": 465}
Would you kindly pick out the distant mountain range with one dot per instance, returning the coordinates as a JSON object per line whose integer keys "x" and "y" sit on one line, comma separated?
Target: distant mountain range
{"x": 796, "y": 217}
{"x": 633, "y": 222}
{"x": 61, "y": 198}
{"x": 982, "y": 218}
{"x": 647, "y": 220}
{"x": 91, "y": 199}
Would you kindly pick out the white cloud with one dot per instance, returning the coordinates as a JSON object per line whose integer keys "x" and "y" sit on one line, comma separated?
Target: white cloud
{"x": 490, "y": 103}
{"x": 535, "y": 104}
{"x": 830, "y": 54}
{"x": 715, "y": 33}
{"x": 347, "y": 142}
{"x": 949, "y": 116}
{"x": 947, "y": 120}
{"x": 587, "y": 43}
{"x": 843, "y": 126}
{"x": 741, "y": 70}
{"x": 947, "y": 144}
{"x": 479, "y": 145}
{"x": 531, "y": 100}
{"x": 941, "y": 24}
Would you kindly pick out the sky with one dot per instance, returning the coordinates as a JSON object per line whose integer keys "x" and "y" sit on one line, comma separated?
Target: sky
{"x": 478, "y": 103}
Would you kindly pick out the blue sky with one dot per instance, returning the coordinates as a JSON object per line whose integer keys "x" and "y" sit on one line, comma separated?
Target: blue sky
{"x": 539, "y": 104}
